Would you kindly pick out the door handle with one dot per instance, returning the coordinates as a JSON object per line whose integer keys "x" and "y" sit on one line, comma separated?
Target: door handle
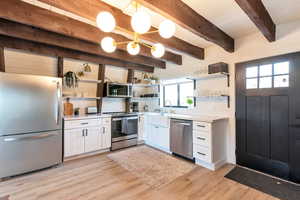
{"x": 185, "y": 124}
{"x": 37, "y": 137}
{"x": 58, "y": 103}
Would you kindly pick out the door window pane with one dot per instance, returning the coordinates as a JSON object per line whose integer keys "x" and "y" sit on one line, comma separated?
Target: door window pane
{"x": 265, "y": 82}
{"x": 281, "y": 68}
{"x": 186, "y": 90}
{"x": 251, "y": 72}
{"x": 251, "y": 83}
{"x": 265, "y": 70}
{"x": 281, "y": 81}
{"x": 171, "y": 95}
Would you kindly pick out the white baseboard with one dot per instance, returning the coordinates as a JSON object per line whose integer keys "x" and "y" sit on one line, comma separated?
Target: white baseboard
{"x": 211, "y": 166}
{"x": 86, "y": 155}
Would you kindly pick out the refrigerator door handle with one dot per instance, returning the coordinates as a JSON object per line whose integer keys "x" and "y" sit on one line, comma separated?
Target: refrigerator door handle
{"x": 58, "y": 103}
{"x": 12, "y": 139}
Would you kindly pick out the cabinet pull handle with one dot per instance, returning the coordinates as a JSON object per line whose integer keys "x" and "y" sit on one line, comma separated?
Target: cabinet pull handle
{"x": 83, "y": 133}
{"x": 86, "y": 132}
{"x": 201, "y": 126}
{"x": 203, "y": 154}
{"x": 200, "y": 138}
{"x": 103, "y": 130}
{"x": 84, "y": 123}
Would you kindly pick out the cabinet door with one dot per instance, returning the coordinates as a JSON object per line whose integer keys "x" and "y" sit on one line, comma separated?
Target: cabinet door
{"x": 141, "y": 128}
{"x": 73, "y": 142}
{"x": 106, "y": 137}
{"x": 164, "y": 138}
{"x": 92, "y": 139}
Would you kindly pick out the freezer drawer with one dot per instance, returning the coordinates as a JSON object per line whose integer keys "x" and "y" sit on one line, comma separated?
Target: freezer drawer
{"x": 29, "y": 152}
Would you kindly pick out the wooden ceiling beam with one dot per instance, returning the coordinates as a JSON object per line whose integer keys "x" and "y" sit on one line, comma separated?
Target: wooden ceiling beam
{"x": 258, "y": 13}
{"x": 183, "y": 15}
{"x": 44, "y": 49}
{"x": 89, "y": 9}
{"x": 21, "y": 31}
{"x": 18, "y": 11}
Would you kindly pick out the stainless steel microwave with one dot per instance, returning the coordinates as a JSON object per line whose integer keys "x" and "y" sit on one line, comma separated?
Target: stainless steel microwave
{"x": 117, "y": 90}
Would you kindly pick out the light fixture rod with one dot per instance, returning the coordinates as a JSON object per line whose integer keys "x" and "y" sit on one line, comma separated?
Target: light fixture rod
{"x": 150, "y": 32}
{"x": 118, "y": 43}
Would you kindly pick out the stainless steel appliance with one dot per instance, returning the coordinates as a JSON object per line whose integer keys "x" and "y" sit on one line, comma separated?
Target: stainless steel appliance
{"x": 118, "y": 90}
{"x": 31, "y": 124}
{"x": 181, "y": 137}
{"x": 124, "y": 130}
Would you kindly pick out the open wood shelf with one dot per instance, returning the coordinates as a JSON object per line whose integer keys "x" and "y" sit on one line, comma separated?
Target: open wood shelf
{"x": 90, "y": 81}
{"x": 145, "y": 85}
{"x": 83, "y": 98}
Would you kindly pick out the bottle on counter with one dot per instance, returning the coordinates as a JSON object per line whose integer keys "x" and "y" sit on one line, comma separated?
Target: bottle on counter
{"x": 68, "y": 108}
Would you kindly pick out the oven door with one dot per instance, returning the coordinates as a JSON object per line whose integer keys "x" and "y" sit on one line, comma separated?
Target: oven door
{"x": 124, "y": 128}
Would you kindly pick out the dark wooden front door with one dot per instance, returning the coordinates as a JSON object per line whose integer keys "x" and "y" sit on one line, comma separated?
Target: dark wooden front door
{"x": 268, "y": 115}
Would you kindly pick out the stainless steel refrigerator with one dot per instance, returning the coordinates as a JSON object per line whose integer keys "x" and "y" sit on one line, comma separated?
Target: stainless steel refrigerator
{"x": 30, "y": 123}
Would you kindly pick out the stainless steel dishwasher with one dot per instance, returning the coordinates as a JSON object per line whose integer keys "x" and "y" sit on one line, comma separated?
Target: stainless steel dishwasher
{"x": 181, "y": 137}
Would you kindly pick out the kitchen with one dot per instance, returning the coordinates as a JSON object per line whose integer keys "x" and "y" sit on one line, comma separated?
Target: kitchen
{"x": 82, "y": 111}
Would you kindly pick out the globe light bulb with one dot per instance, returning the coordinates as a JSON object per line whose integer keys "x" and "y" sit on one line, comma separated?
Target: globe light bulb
{"x": 158, "y": 50}
{"x": 133, "y": 48}
{"x": 141, "y": 22}
{"x": 106, "y": 22}
{"x": 108, "y": 44}
{"x": 167, "y": 29}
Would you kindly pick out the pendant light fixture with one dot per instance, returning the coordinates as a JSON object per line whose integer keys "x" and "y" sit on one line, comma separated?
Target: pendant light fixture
{"x": 141, "y": 24}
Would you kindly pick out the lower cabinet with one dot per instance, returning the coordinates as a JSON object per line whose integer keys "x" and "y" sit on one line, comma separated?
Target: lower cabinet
{"x": 87, "y": 139}
{"x": 159, "y": 137}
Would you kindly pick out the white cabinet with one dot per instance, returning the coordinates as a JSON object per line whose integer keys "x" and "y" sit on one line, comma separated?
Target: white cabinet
{"x": 209, "y": 143}
{"x": 84, "y": 136}
{"x": 91, "y": 139}
{"x": 158, "y": 132}
{"x": 141, "y": 129}
{"x": 73, "y": 142}
{"x": 104, "y": 139}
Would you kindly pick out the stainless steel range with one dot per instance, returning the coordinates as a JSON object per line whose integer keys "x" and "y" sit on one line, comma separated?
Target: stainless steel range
{"x": 124, "y": 130}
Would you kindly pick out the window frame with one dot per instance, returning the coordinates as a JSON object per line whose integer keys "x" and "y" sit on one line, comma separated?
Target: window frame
{"x": 273, "y": 75}
{"x": 178, "y": 94}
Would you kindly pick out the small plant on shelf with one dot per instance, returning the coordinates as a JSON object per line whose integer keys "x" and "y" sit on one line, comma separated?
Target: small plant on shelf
{"x": 190, "y": 101}
{"x": 70, "y": 79}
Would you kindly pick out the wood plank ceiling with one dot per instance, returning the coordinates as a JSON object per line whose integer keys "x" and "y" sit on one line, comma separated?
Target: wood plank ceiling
{"x": 89, "y": 9}
{"x": 34, "y": 16}
{"x": 183, "y": 15}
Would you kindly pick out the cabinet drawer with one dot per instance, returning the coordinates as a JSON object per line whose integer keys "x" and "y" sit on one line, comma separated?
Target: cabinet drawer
{"x": 106, "y": 121}
{"x": 82, "y": 123}
{"x": 201, "y": 153}
{"x": 201, "y": 126}
{"x": 201, "y": 139}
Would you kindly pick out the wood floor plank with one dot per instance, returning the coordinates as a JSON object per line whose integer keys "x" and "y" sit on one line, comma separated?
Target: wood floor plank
{"x": 98, "y": 177}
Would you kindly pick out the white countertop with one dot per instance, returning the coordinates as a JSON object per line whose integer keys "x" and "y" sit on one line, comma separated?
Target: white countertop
{"x": 93, "y": 116}
{"x": 201, "y": 118}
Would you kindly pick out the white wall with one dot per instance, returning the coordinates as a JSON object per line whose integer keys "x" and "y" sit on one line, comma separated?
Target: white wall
{"x": 251, "y": 47}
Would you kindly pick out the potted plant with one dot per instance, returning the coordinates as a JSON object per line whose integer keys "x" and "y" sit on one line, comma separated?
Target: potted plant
{"x": 70, "y": 79}
{"x": 190, "y": 102}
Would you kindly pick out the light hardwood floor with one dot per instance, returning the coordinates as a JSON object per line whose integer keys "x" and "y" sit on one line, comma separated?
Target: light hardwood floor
{"x": 99, "y": 178}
